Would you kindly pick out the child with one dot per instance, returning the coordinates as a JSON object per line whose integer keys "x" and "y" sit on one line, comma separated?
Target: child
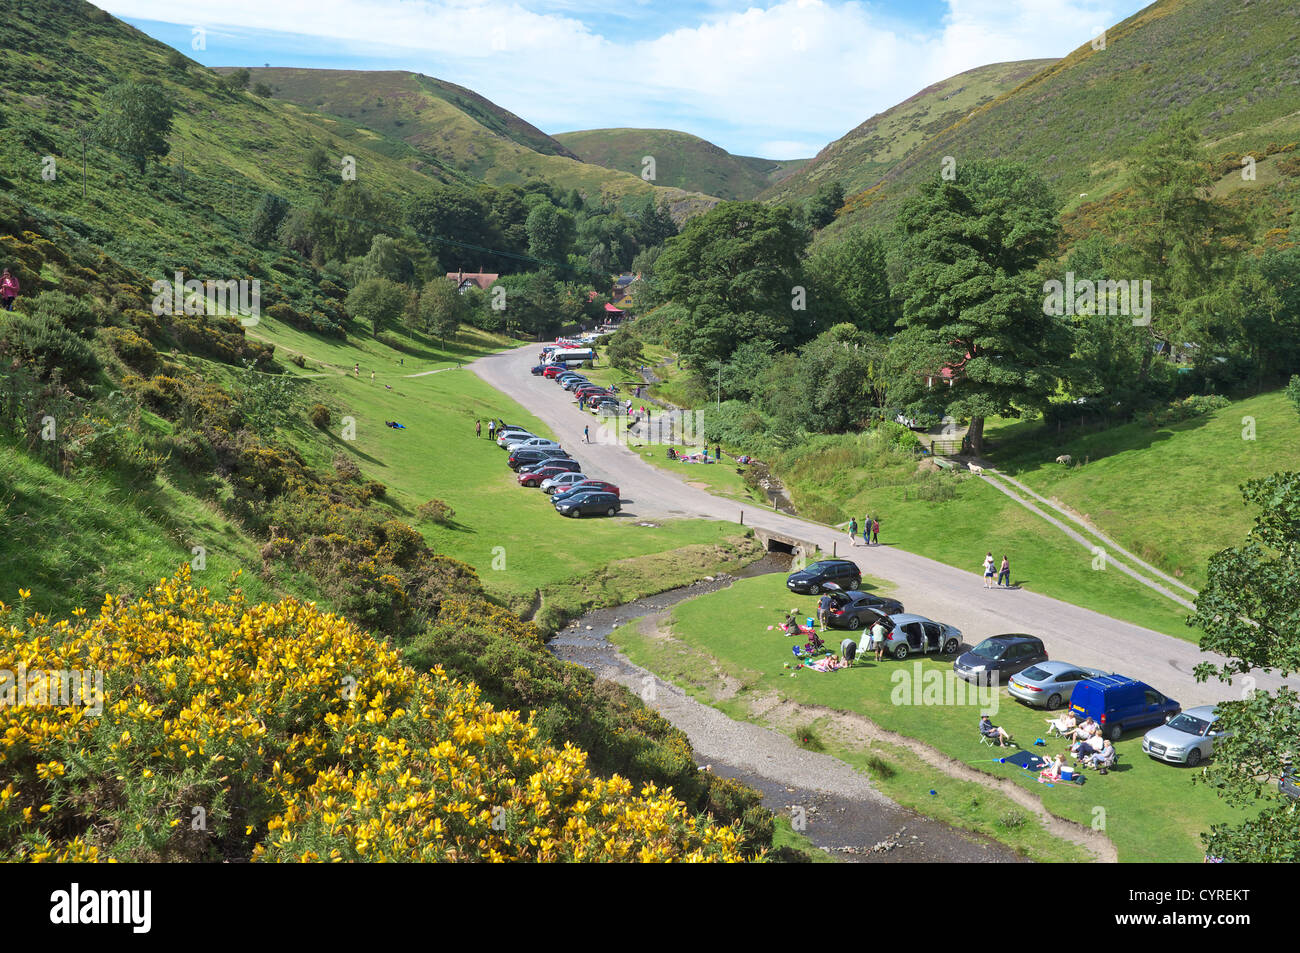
{"x": 8, "y": 290}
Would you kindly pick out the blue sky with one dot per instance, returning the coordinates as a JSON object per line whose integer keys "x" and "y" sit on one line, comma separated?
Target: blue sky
{"x": 777, "y": 79}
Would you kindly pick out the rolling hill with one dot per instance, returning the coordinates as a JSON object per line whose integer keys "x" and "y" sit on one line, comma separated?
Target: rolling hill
{"x": 859, "y": 158}
{"x": 682, "y": 160}
{"x": 447, "y": 125}
{"x": 1230, "y": 68}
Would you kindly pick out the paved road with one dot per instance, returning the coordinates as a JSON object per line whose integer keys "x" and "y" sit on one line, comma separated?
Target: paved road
{"x": 931, "y": 588}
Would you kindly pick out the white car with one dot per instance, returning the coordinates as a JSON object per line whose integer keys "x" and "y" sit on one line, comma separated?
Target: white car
{"x": 512, "y": 441}
{"x": 1187, "y": 738}
{"x": 506, "y": 436}
{"x": 562, "y": 481}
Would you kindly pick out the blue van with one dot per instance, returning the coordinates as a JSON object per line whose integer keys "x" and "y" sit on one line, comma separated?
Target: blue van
{"x": 1120, "y": 704}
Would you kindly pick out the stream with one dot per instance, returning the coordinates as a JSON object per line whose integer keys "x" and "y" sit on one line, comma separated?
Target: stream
{"x": 840, "y": 810}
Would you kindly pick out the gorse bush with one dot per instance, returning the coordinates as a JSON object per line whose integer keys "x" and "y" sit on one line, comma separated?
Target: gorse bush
{"x": 276, "y": 732}
{"x": 436, "y": 511}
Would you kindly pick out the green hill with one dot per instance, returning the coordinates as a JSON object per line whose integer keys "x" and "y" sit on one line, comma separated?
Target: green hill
{"x": 859, "y": 158}
{"x": 450, "y": 126}
{"x": 1077, "y": 121}
{"x": 681, "y": 160}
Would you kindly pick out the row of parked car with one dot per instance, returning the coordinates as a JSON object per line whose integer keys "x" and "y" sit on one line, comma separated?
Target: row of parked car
{"x": 543, "y": 463}
{"x": 596, "y": 396}
{"x": 1115, "y": 702}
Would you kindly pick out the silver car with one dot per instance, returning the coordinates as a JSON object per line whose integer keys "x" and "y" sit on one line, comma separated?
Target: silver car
{"x": 917, "y": 634}
{"x": 1049, "y": 684}
{"x": 1187, "y": 738}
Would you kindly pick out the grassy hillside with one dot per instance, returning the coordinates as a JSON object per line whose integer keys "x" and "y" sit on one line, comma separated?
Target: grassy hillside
{"x": 1230, "y": 67}
{"x": 681, "y": 160}
{"x": 451, "y": 126}
{"x": 859, "y": 158}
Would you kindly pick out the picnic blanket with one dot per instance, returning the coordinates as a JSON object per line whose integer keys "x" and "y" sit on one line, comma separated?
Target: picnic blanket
{"x": 1027, "y": 760}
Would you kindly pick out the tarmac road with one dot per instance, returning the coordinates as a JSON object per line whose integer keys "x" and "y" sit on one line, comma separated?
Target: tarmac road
{"x": 950, "y": 595}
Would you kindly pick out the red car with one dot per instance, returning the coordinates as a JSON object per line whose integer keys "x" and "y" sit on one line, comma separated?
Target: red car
{"x": 549, "y": 469}
{"x": 589, "y": 390}
{"x": 587, "y": 486}
{"x": 553, "y": 369}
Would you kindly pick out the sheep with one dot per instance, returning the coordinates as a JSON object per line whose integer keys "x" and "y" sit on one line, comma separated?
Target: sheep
{"x": 1065, "y": 458}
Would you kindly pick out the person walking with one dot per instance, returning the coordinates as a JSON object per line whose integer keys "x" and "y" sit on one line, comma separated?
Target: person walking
{"x": 478, "y": 428}
{"x": 586, "y": 435}
{"x": 866, "y": 530}
{"x": 853, "y": 531}
{"x": 988, "y": 571}
{"x": 8, "y": 290}
{"x": 1005, "y": 572}
{"x": 875, "y": 531}
{"x": 356, "y": 369}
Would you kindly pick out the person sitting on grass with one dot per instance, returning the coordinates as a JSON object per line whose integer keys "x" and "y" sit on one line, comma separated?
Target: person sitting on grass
{"x": 1053, "y": 770}
{"x": 992, "y": 732}
{"x": 791, "y": 624}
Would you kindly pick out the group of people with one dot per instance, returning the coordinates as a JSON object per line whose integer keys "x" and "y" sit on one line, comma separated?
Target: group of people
{"x": 493, "y": 427}
{"x": 1088, "y": 745}
{"x": 870, "y": 530}
{"x": 872, "y": 640}
{"x": 1004, "y": 572}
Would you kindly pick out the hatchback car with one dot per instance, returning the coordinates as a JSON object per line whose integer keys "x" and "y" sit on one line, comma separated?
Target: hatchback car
{"x": 812, "y": 580}
{"x": 915, "y": 633}
{"x": 512, "y": 436}
{"x": 854, "y": 609}
{"x": 590, "y": 503}
{"x": 519, "y": 459}
{"x": 561, "y": 481}
{"x": 1049, "y": 684}
{"x": 534, "y": 475}
{"x": 1187, "y": 738}
{"x": 587, "y": 487}
{"x": 999, "y": 657}
{"x": 537, "y": 443}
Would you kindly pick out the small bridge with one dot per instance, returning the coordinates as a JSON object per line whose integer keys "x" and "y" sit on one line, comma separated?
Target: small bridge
{"x": 782, "y": 543}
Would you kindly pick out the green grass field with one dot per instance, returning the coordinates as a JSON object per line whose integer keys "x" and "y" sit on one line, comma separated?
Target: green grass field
{"x": 1150, "y": 811}
{"x": 1168, "y": 494}
{"x": 534, "y": 559}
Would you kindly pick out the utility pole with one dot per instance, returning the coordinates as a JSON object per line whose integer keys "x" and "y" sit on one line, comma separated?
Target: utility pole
{"x": 82, "y": 135}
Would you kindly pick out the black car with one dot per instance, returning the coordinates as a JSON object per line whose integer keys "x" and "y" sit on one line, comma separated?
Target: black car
{"x": 1000, "y": 655}
{"x": 854, "y": 609}
{"x": 519, "y": 458}
{"x": 844, "y": 574}
{"x": 582, "y": 504}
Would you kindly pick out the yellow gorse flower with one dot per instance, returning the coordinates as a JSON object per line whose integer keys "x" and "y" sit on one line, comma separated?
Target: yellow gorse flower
{"x": 245, "y": 703}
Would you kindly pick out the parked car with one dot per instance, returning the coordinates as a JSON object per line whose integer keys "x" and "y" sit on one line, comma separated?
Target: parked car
{"x": 591, "y": 502}
{"x": 590, "y": 390}
{"x": 536, "y": 443}
{"x": 854, "y": 609}
{"x": 552, "y": 370}
{"x": 575, "y": 381}
{"x": 504, "y": 437}
{"x": 998, "y": 658}
{"x": 561, "y": 481}
{"x": 1049, "y": 684}
{"x": 1119, "y": 704}
{"x": 514, "y": 438}
{"x": 534, "y": 475}
{"x": 588, "y": 486}
{"x": 522, "y": 458}
{"x": 1187, "y": 738}
{"x": 539, "y": 369}
{"x": 1289, "y": 783}
{"x": 844, "y": 574}
{"x": 915, "y": 633}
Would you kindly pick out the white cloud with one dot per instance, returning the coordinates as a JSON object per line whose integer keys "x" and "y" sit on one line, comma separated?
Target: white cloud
{"x": 791, "y": 74}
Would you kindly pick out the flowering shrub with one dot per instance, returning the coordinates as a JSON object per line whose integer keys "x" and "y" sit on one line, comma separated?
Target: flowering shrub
{"x": 277, "y": 732}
